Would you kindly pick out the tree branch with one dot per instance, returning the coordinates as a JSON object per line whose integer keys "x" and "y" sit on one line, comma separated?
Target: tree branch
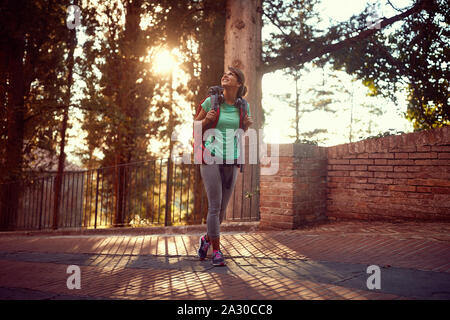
{"x": 275, "y": 24}
{"x": 308, "y": 55}
{"x": 393, "y": 7}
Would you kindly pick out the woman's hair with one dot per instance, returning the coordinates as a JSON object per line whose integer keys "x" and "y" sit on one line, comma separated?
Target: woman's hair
{"x": 241, "y": 78}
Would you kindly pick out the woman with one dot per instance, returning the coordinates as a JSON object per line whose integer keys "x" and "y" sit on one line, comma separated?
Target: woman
{"x": 220, "y": 179}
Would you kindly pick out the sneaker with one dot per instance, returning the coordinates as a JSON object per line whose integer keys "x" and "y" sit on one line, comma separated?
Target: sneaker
{"x": 204, "y": 246}
{"x": 218, "y": 259}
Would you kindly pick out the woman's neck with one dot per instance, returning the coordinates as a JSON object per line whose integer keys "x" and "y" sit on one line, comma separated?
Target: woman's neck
{"x": 230, "y": 95}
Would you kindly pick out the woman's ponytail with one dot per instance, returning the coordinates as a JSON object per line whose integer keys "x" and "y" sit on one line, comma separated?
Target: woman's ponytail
{"x": 242, "y": 91}
{"x": 241, "y": 78}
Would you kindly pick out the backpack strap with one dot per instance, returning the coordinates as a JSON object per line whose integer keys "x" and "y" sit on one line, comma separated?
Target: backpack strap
{"x": 203, "y": 149}
{"x": 242, "y": 104}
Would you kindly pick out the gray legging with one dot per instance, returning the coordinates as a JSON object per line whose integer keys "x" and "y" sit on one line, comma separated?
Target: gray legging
{"x": 219, "y": 181}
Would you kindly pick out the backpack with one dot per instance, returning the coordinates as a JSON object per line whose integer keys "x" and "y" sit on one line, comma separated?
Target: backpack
{"x": 217, "y": 98}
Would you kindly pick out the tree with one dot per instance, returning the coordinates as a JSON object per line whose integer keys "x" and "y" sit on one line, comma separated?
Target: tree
{"x": 67, "y": 101}
{"x": 120, "y": 89}
{"x": 197, "y": 28}
{"x": 414, "y": 55}
{"x": 243, "y": 50}
{"x": 33, "y": 65}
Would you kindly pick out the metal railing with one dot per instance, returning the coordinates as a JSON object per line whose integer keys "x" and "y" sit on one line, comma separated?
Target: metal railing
{"x": 130, "y": 195}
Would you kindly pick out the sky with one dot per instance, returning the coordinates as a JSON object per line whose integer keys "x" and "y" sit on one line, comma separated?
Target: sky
{"x": 277, "y": 128}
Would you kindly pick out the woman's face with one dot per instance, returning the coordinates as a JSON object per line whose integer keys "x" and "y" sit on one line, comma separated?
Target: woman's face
{"x": 229, "y": 79}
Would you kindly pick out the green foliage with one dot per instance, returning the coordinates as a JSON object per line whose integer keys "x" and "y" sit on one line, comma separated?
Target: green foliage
{"x": 40, "y": 30}
{"x": 390, "y": 132}
{"x": 306, "y": 141}
{"x": 414, "y": 56}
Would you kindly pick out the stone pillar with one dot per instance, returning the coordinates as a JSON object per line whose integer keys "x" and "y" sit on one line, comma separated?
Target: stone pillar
{"x": 296, "y": 194}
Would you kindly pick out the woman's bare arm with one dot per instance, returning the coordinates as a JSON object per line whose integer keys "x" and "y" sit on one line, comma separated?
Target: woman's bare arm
{"x": 206, "y": 121}
{"x": 201, "y": 115}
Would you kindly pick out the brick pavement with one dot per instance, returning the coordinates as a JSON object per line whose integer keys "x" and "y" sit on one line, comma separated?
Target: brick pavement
{"x": 326, "y": 261}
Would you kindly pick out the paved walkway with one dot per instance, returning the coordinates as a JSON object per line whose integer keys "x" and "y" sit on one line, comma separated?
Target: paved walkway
{"x": 328, "y": 261}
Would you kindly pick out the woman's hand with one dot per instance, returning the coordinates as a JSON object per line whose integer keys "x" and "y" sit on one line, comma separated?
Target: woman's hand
{"x": 248, "y": 121}
{"x": 211, "y": 116}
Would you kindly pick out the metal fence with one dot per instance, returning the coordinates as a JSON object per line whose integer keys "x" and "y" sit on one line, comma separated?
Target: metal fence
{"x": 133, "y": 195}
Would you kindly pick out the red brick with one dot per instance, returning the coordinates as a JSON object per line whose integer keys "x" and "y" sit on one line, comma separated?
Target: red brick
{"x": 348, "y": 179}
{"x": 401, "y": 155}
{"x": 400, "y": 169}
{"x": 360, "y": 168}
{"x": 380, "y": 161}
{"x": 414, "y": 168}
{"x": 338, "y": 173}
{"x": 377, "y": 193}
{"x": 440, "y": 148}
{"x": 401, "y": 162}
{"x": 287, "y": 205}
{"x": 398, "y": 194}
{"x": 285, "y": 160}
{"x": 440, "y": 162}
{"x": 382, "y": 181}
{"x": 270, "y": 179}
{"x": 405, "y": 148}
{"x": 343, "y": 167}
{"x": 283, "y": 199}
{"x": 361, "y": 161}
{"x": 442, "y": 190}
{"x": 381, "y": 187}
{"x": 362, "y": 156}
{"x": 400, "y": 175}
{"x": 423, "y": 148}
{"x": 444, "y": 155}
{"x": 271, "y": 191}
{"x": 441, "y": 200}
{"x": 338, "y": 161}
{"x": 423, "y": 155}
{"x": 380, "y": 174}
{"x": 385, "y": 155}
{"x": 419, "y": 195}
{"x": 381, "y": 168}
{"x": 361, "y": 174}
{"x": 429, "y": 182}
{"x": 402, "y": 188}
{"x": 400, "y": 181}
{"x": 361, "y": 186}
{"x": 270, "y": 204}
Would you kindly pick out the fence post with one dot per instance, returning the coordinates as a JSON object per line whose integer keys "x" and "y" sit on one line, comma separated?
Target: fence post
{"x": 96, "y": 202}
{"x": 41, "y": 204}
{"x": 168, "y": 204}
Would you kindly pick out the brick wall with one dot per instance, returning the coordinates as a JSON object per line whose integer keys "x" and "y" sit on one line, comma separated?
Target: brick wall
{"x": 403, "y": 177}
{"x": 297, "y": 193}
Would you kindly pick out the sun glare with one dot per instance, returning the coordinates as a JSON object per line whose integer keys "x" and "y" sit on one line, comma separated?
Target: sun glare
{"x": 164, "y": 62}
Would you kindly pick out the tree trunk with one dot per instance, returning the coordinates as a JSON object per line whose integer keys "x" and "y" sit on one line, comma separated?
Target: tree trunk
{"x": 243, "y": 50}
{"x": 62, "y": 155}
{"x": 15, "y": 114}
{"x": 170, "y": 178}
{"x": 297, "y": 111}
{"x": 212, "y": 60}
